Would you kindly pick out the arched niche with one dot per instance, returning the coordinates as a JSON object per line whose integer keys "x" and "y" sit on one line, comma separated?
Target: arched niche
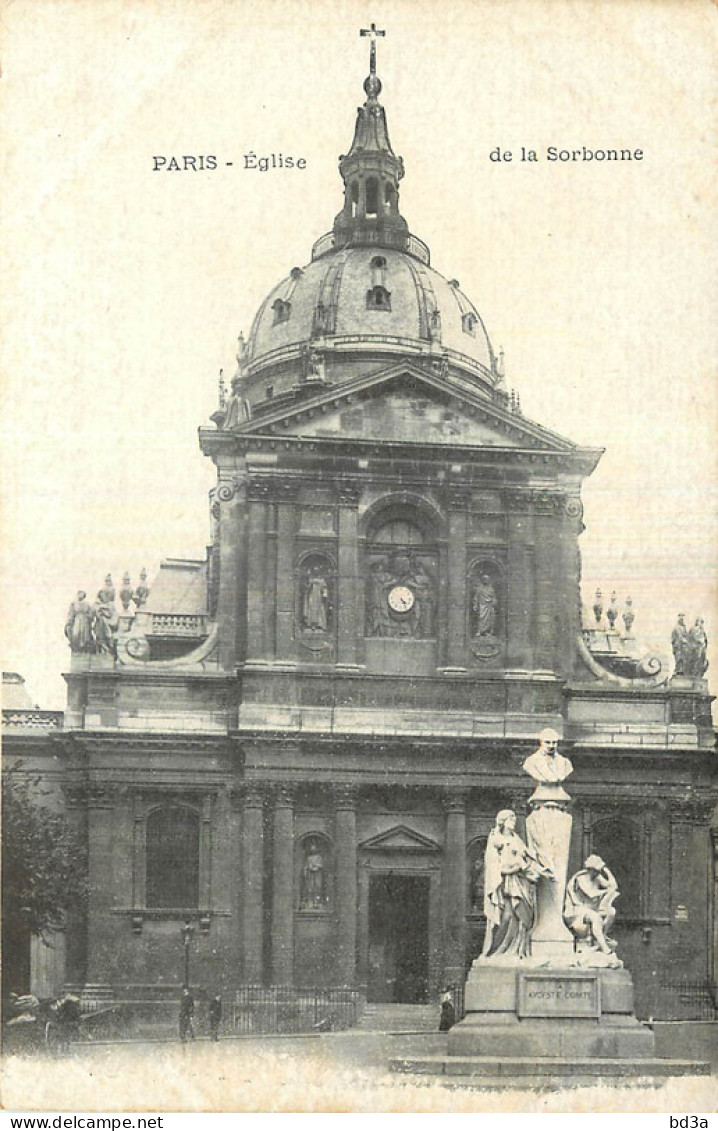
{"x": 486, "y": 608}
{"x": 401, "y": 567}
{"x": 315, "y": 601}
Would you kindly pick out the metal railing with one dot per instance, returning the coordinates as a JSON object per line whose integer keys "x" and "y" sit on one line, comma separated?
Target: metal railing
{"x": 290, "y": 1009}
{"x": 700, "y": 998}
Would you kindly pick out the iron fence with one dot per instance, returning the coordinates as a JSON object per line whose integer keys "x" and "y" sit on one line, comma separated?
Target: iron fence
{"x": 700, "y": 999}
{"x": 291, "y": 1009}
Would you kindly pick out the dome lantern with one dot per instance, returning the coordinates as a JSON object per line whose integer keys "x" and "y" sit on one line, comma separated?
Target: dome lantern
{"x": 371, "y": 172}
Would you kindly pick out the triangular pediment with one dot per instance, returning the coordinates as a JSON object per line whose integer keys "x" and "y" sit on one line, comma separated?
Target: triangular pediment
{"x": 406, "y": 404}
{"x": 401, "y": 838}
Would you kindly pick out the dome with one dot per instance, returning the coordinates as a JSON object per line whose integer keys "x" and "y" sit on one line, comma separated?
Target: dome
{"x": 369, "y": 294}
{"x": 359, "y": 303}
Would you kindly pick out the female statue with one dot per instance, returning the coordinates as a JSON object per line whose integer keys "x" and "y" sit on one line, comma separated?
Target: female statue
{"x": 511, "y": 874}
{"x": 485, "y": 606}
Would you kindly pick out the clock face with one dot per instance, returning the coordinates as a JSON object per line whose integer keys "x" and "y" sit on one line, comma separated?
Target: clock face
{"x": 401, "y": 599}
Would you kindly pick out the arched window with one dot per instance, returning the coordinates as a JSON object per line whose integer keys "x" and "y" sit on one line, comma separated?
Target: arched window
{"x": 372, "y": 197}
{"x": 172, "y": 858}
{"x": 618, "y": 841}
{"x": 398, "y": 532}
{"x": 468, "y": 322}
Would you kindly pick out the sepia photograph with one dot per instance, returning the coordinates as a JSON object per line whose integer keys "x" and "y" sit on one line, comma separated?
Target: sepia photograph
{"x": 359, "y": 533}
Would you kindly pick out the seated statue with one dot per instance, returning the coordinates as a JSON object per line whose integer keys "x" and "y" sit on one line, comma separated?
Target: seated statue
{"x": 589, "y": 911}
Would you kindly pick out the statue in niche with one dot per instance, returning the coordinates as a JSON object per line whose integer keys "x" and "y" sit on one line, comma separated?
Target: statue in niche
{"x": 679, "y": 644}
{"x": 312, "y": 894}
{"x": 696, "y": 660}
{"x": 315, "y": 601}
{"x": 511, "y": 874}
{"x": 485, "y": 606}
{"x": 589, "y": 911}
{"x": 484, "y": 617}
{"x": 78, "y": 627}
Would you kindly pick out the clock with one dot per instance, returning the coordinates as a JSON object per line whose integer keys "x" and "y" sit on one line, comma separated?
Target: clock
{"x": 401, "y": 599}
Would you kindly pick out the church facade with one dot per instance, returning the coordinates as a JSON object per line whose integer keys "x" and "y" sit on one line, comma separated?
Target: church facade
{"x": 285, "y": 759}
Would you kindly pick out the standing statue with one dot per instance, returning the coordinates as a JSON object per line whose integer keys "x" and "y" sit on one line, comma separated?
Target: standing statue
{"x": 102, "y": 630}
{"x": 485, "y": 606}
{"x": 78, "y": 627}
{"x": 380, "y": 581}
{"x": 313, "y": 886}
{"x": 511, "y": 872}
{"x": 315, "y": 601}
{"x": 679, "y": 644}
{"x": 696, "y": 661}
{"x": 237, "y": 409}
{"x": 424, "y": 583}
{"x": 589, "y": 910}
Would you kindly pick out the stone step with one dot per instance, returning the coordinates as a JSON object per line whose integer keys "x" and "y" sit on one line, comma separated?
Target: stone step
{"x": 503, "y": 1071}
{"x": 390, "y": 1017}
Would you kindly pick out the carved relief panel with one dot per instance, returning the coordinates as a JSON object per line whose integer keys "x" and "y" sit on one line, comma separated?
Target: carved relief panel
{"x": 401, "y": 583}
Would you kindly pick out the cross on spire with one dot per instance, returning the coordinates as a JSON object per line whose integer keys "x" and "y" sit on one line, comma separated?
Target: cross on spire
{"x": 373, "y": 32}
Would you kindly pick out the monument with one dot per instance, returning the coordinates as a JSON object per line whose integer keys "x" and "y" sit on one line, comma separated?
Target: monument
{"x": 548, "y": 988}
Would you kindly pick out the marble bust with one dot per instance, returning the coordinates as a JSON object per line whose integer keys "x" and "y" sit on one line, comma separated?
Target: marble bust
{"x": 548, "y": 768}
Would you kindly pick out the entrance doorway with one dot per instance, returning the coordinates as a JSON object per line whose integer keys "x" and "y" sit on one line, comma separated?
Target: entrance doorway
{"x": 398, "y": 938}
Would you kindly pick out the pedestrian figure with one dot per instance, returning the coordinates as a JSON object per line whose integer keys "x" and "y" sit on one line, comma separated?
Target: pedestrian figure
{"x": 448, "y": 1013}
{"x": 186, "y": 1014}
{"x": 215, "y": 1016}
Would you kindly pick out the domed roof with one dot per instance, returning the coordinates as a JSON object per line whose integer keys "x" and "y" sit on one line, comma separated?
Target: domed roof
{"x": 369, "y": 300}
{"x": 369, "y": 292}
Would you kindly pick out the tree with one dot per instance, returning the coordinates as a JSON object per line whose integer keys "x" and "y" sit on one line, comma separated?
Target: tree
{"x": 43, "y": 870}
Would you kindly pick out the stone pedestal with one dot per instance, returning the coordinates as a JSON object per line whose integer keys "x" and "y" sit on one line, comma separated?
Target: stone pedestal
{"x": 548, "y": 830}
{"x": 534, "y": 1011}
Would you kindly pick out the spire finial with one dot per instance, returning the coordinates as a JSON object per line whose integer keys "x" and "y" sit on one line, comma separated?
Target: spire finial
{"x": 373, "y": 32}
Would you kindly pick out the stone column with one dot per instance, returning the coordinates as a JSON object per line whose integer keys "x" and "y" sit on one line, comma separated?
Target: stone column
{"x": 283, "y": 888}
{"x": 454, "y": 889}
{"x": 345, "y": 804}
{"x": 348, "y": 580}
{"x": 456, "y": 589}
{"x": 519, "y": 583}
{"x": 286, "y": 528}
{"x": 231, "y": 497}
{"x": 253, "y": 883}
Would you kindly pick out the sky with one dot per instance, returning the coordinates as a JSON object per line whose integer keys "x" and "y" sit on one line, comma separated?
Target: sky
{"x": 126, "y": 287}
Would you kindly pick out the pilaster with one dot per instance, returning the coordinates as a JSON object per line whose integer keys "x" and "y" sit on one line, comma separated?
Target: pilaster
{"x": 283, "y": 888}
{"x": 345, "y": 804}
